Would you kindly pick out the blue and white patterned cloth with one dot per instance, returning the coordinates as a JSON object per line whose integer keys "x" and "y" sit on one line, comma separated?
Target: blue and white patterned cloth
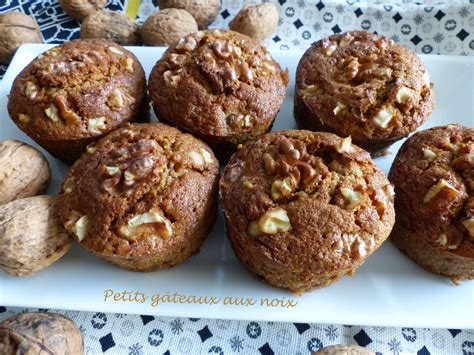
{"x": 430, "y": 27}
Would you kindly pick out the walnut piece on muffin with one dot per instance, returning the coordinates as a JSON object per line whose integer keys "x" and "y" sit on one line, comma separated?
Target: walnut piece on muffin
{"x": 363, "y": 85}
{"x": 221, "y": 86}
{"x": 75, "y": 93}
{"x": 303, "y": 209}
{"x": 144, "y": 198}
{"x": 433, "y": 174}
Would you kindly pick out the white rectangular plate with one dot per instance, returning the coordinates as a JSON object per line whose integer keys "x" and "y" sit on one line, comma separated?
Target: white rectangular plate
{"x": 388, "y": 290}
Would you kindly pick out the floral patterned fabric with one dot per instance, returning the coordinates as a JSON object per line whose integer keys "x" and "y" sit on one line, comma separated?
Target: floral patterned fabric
{"x": 429, "y": 27}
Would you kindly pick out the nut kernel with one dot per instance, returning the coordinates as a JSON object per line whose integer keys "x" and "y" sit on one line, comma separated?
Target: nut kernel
{"x": 91, "y": 149}
{"x": 436, "y": 189}
{"x": 274, "y": 221}
{"x": 23, "y": 118}
{"x": 31, "y": 90}
{"x": 309, "y": 90}
{"x": 442, "y": 239}
{"x": 197, "y": 159}
{"x": 206, "y": 156}
{"x": 247, "y": 184}
{"x": 68, "y": 185}
{"x": 329, "y": 49}
{"x": 354, "y": 198}
{"x": 382, "y": 118}
{"x": 116, "y": 98}
{"x": 52, "y": 112}
{"x": 129, "y": 65}
{"x": 339, "y": 107}
{"x": 80, "y": 227}
{"x": 429, "y": 154}
{"x": 95, "y": 125}
{"x": 344, "y": 145}
{"x": 469, "y": 225}
{"x": 283, "y": 188}
{"x": 111, "y": 170}
{"x": 403, "y": 94}
{"x": 149, "y": 218}
{"x": 116, "y": 50}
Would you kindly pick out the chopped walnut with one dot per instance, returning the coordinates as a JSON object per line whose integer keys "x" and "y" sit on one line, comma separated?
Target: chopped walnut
{"x": 274, "y": 221}
{"x": 201, "y": 158}
{"x": 329, "y": 48}
{"x": 354, "y": 198}
{"x": 116, "y": 98}
{"x": 469, "y": 225}
{"x": 68, "y": 185}
{"x": 442, "y": 239}
{"x": 96, "y": 125}
{"x": 344, "y": 145}
{"x": 129, "y": 65}
{"x": 339, "y": 107}
{"x": 309, "y": 90}
{"x": 161, "y": 225}
{"x": 52, "y": 112}
{"x": 429, "y": 154}
{"x": 116, "y": 50}
{"x": 383, "y": 118}
{"x": 442, "y": 185}
{"x": 23, "y": 118}
{"x": 403, "y": 94}
{"x": 283, "y": 187}
{"x": 80, "y": 227}
{"x": 31, "y": 90}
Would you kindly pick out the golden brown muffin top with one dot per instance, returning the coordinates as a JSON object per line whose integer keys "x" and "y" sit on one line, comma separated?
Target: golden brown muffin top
{"x": 218, "y": 83}
{"x": 433, "y": 175}
{"x": 308, "y": 200}
{"x": 365, "y": 85}
{"x": 78, "y": 89}
{"x": 133, "y": 193}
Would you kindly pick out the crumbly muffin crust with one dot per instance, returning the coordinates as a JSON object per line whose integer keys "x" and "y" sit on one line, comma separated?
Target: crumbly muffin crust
{"x": 76, "y": 93}
{"x": 219, "y": 85}
{"x": 305, "y": 208}
{"x": 144, "y": 198}
{"x": 433, "y": 175}
{"x": 363, "y": 85}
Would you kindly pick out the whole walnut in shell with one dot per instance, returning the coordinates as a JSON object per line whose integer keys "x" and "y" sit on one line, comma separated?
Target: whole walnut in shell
{"x": 167, "y": 26}
{"x": 110, "y": 25}
{"x": 256, "y": 20}
{"x": 344, "y": 350}
{"x": 203, "y": 11}
{"x": 40, "y": 333}
{"x": 79, "y": 9}
{"x": 24, "y": 171}
{"x": 16, "y": 28}
{"x": 31, "y": 237}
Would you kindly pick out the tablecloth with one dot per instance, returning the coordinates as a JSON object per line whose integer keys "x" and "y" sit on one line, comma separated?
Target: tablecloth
{"x": 429, "y": 27}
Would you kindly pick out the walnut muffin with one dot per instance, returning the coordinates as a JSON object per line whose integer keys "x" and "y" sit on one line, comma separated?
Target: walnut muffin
{"x": 77, "y": 92}
{"x": 433, "y": 174}
{"x": 303, "y": 208}
{"x": 144, "y": 197}
{"x": 363, "y": 85}
{"x": 221, "y": 86}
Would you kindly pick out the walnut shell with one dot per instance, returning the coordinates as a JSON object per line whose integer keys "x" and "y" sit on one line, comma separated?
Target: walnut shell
{"x": 111, "y": 25}
{"x": 31, "y": 237}
{"x": 40, "y": 333}
{"x": 167, "y": 26}
{"x": 344, "y": 350}
{"x": 79, "y": 9}
{"x": 24, "y": 171}
{"x": 203, "y": 11}
{"x": 16, "y": 28}
{"x": 256, "y": 20}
